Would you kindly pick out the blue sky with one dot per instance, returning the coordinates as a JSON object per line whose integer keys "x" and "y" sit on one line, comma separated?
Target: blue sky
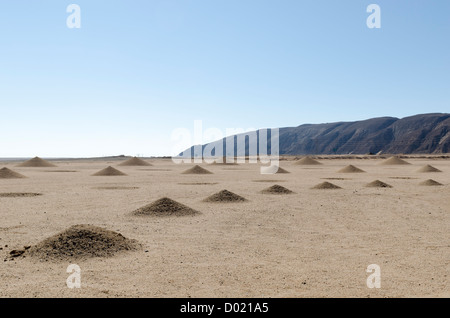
{"x": 137, "y": 70}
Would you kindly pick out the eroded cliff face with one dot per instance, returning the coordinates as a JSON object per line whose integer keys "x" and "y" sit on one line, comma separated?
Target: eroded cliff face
{"x": 426, "y": 133}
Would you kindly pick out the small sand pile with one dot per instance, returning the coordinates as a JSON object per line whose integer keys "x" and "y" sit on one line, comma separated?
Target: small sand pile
{"x": 307, "y": 161}
{"x": 109, "y": 171}
{"x": 19, "y": 195}
{"x": 196, "y": 170}
{"x": 394, "y": 161}
{"x": 135, "y": 161}
{"x": 276, "y": 189}
{"x": 281, "y": 170}
{"x": 36, "y": 162}
{"x": 164, "y": 207}
{"x": 428, "y": 168}
{"x": 326, "y": 186}
{"x": 430, "y": 182}
{"x": 6, "y": 173}
{"x": 378, "y": 184}
{"x": 82, "y": 241}
{"x": 351, "y": 169}
{"x": 224, "y": 196}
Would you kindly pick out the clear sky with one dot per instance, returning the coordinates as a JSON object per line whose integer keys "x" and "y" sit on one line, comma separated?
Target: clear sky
{"x": 137, "y": 70}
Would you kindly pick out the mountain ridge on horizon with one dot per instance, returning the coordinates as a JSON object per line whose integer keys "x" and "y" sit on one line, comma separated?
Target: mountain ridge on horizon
{"x": 422, "y": 134}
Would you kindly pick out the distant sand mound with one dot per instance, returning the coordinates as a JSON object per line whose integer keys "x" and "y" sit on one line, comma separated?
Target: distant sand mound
{"x": 135, "y": 161}
{"x": 224, "y": 196}
{"x": 394, "y": 161}
{"x": 224, "y": 161}
{"x": 6, "y": 173}
{"x": 326, "y": 185}
{"x": 428, "y": 168}
{"x": 109, "y": 171}
{"x": 430, "y": 182}
{"x": 378, "y": 184}
{"x": 82, "y": 241}
{"x": 351, "y": 169}
{"x": 196, "y": 170}
{"x": 307, "y": 161}
{"x": 165, "y": 207}
{"x": 36, "y": 162}
{"x": 276, "y": 189}
{"x": 269, "y": 169}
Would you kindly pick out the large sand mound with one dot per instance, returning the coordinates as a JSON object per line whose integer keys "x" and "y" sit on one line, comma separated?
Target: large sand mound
{"x": 82, "y": 241}
{"x": 428, "y": 168}
{"x": 109, "y": 171}
{"x": 165, "y": 207}
{"x": 325, "y": 186}
{"x": 135, "y": 161}
{"x": 36, "y": 162}
{"x": 394, "y": 161}
{"x": 307, "y": 161}
{"x": 351, "y": 169}
{"x": 276, "y": 189}
{"x": 378, "y": 184}
{"x": 224, "y": 196}
{"x": 6, "y": 173}
{"x": 430, "y": 182}
{"x": 197, "y": 170}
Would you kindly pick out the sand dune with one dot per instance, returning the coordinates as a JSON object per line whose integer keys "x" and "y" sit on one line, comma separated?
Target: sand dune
{"x": 81, "y": 241}
{"x": 428, "y": 168}
{"x": 135, "y": 162}
{"x": 165, "y": 207}
{"x": 6, "y": 173}
{"x": 394, "y": 161}
{"x": 36, "y": 162}
{"x": 350, "y": 169}
{"x": 326, "y": 186}
{"x": 197, "y": 170}
{"x": 276, "y": 189}
{"x": 109, "y": 171}
{"x": 307, "y": 161}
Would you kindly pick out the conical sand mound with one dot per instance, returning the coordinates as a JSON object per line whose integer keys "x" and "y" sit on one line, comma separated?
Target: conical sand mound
{"x": 197, "y": 170}
{"x": 351, "y": 169}
{"x": 224, "y": 196}
{"x": 307, "y": 161}
{"x": 135, "y": 161}
{"x": 270, "y": 169}
{"x": 430, "y": 182}
{"x": 164, "y": 207}
{"x": 82, "y": 241}
{"x": 36, "y": 162}
{"x": 394, "y": 161}
{"x": 281, "y": 170}
{"x": 276, "y": 189}
{"x": 378, "y": 184}
{"x": 326, "y": 185}
{"x": 109, "y": 171}
{"x": 6, "y": 173}
{"x": 428, "y": 168}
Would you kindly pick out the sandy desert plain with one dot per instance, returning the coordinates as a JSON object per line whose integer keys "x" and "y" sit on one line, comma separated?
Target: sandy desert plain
{"x": 310, "y": 243}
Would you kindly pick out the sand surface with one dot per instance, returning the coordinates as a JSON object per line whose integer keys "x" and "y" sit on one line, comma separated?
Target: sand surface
{"x": 314, "y": 243}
